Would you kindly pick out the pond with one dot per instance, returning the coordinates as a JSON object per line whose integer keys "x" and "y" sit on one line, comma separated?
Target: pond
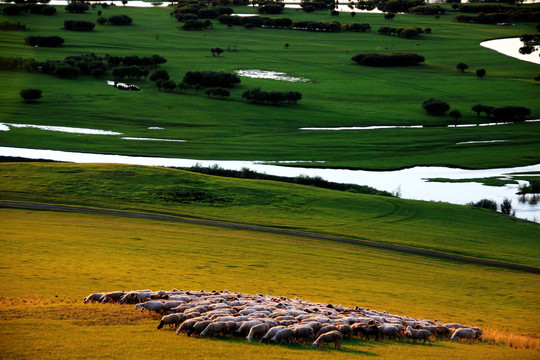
{"x": 411, "y": 183}
{"x": 510, "y": 47}
{"x": 268, "y": 74}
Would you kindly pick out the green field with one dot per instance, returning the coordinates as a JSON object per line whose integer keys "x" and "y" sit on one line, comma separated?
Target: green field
{"x": 51, "y": 260}
{"x": 341, "y": 93}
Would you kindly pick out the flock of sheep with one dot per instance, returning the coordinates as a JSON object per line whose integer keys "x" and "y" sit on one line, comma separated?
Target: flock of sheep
{"x": 277, "y": 319}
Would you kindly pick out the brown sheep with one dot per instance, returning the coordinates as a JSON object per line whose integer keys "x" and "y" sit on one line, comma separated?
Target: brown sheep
{"x": 366, "y": 330}
{"x": 333, "y": 336}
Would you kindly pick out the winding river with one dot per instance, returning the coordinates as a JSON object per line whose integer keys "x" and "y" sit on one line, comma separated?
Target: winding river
{"x": 411, "y": 183}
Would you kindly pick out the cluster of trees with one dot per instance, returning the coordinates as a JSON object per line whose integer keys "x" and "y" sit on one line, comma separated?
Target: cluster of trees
{"x": 211, "y": 79}
{"x": 199, "y": 11}
{"x": 270, "y": 7}
{"x": 146, "y": 61}
{"x": 130, "y": 72}
{"x": 397, "y": 6}
{"x": 79, "y": 25}
{"x": 217, "y": 92}
{"x": 530, "y": 43}
{"x": 312, "y": 5}
{"x": 494, "y": 14}
{"x": 396, "y": 59}
{"x": 287, "y": 23}
{"x": 122, "y": 20}
{"x": 409, "y": 32}
{"x": 77, "y": 7}
{"x": 505, "y": 206}
{"x": 361, "y": 27}
{"x": 44, "y": 41}
{"x": 9, "y": 26}
{"x": 134, "y": 67}
{"x": 503, "y": 113}
{"x": 29, "y": 8}
{"x": 427, "y": 10}
{"x": 324, "y": 26}
{"x": 259, "y": 97}
{"x": 196, "y": 24}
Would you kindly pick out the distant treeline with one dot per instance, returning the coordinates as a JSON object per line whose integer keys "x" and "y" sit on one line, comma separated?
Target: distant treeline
{"x": 287, "y": 23}
{"x": 12, "y": 10}
{"x": 302, "y": 179}
{"x": 9, "y": 26}
{"x": 89, "y": 64}
{"x": 494, "y": 14}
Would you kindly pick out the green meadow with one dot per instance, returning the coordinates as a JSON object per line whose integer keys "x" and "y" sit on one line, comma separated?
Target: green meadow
{"x": 51, "y": 260}
{"x": 341, "y": 93}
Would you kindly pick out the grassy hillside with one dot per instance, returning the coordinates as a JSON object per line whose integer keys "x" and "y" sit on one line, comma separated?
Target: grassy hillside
{"x": 42, "y": 315}
{"x": 341, "y": 93}
{"x": 429, "y": 225}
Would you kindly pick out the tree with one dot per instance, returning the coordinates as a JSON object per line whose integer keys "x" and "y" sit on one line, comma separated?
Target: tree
{"x": 455, "y": 115}
{"x": 159, "y": 75}
{"x": 462, "y": 67}
{"x": 30, "y": 95}
{"x": 479, "y": 108}
{"x": 435, "y": 107}
{"x": 389, "y": 16}
{"x": 506, "y": 206}
{"x": 480, "y": 73}
{"x": 216, "y": 51}
{"x": 77, "y": 7}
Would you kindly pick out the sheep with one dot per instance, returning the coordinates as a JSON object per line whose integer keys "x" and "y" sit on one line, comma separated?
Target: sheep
{"x": 392, "y": 331}
{"x": 198, "y": 327}
{"x": 333, "y": 336}
{"x": 303, "y": 333}
{"x": 257, "y": 331}
{"x": 366, "y": 330}
{"x": 464, "y": 333}
{"x": 114, "y": 296}
{"x": 173, "y": 320}
{"x": 325, "y": 329}
{"x": 215, "y": 329}
{"x": 246, "y": 326}
{"x": 271, "y": 333}
{"x": 345, "y": 330}
{"x": 93, "y": 297}
{"x": 186, "y": 326}
{"x": 418, "y": 334}
{"x": 155, "y": 306}
{"x": 284, "y": 336}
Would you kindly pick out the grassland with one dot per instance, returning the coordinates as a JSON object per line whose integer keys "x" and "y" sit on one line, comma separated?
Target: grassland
{"x": 95, "y": 252}
{"x": 341, "y": 93}
{"x": 434, "y": 226}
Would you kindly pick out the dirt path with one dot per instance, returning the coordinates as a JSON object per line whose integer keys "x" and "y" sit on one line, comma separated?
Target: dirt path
{"x": 405, "y": 249}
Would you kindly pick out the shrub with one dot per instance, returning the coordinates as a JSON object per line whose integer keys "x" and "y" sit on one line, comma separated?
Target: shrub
{"x": 435, "y": 107}
{"x": 211, "y": 79}
{"x": 480, "y": 73}
{"x": 462, "y": 67}
{"x": 12, "y": 10}
{"x": 78, "y": 25}
{"x": 485, "y": 204}
{"x": 271, "y": 8}
{"x": 396, "y": 59}
{"x": 218, "y": 92}
{"x": 511, "y": 113}
{"x": 9, "y": 26}
{"x": 30, "y": 95}
{"x": 77, "y": 7}
{"x": 45, "y": 41}
{"x": 121, "y": 20}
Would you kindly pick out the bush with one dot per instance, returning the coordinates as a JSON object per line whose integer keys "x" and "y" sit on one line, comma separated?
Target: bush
{"x": 485, "y": 204}
{"x": 211, "y": 79}
{"x": 77, "y": 7}
{"x": 8, "y": 26}
{"x": 511, "y": 113}
{"x": 121, "y": 20}
{"x": 480, "y": 73}
{"x": 30, "y": 95}
{"x": 396, "y": 59}
{"x": 361, "y": 27}
{"x": 78, "y": 25}
{"x": 271, "y": 8}
{"x": 259, "y": 97}
{"x": 44, "y": 41}
{"x": 218, "y": 92}
{"x": 435, "y": 107}
{"x": 462, "y": 67}
{"x": 12, "y": 10}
